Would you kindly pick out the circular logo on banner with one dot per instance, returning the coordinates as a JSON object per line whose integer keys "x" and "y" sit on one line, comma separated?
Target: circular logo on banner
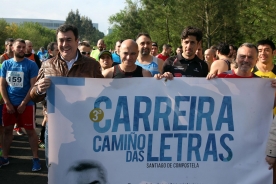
{"x": 96, "y": 115}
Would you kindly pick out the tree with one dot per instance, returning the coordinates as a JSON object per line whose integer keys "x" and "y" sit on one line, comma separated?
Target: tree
{"x": 74, "y": 19}
{"x": 128, "y": 21}
{"x": 220, "y": 21}
{"x": 3, "y": 34}
{"x": 39, "y": 35}
{"x": 257, "y": 20}
{"x": 85, "y": 27}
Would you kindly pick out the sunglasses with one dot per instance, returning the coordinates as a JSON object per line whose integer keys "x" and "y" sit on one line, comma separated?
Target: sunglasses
{"x": 86, "y": 53}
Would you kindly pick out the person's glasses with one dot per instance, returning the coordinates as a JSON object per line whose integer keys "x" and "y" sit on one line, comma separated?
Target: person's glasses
{"x": 10, "y": 45}
{"x": 86, "y": 53}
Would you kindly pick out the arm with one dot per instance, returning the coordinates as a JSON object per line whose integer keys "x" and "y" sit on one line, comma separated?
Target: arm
{"x": 217, "y": 67}
{"x": 146, "y": 73}
{"x": 108, "y": 73}
{"x": 22, "y": 106}
{"x": 33, "y": 93}
{"x": 97, "y": 70}
{"x": 3, "y": 84}
{"x": 160, "y": 63}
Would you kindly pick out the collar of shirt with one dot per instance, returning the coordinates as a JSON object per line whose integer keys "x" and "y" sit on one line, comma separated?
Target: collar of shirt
{"x": 70, "y": 63}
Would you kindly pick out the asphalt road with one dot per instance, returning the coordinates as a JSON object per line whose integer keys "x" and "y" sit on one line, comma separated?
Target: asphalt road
{"x": 20, "y": 168}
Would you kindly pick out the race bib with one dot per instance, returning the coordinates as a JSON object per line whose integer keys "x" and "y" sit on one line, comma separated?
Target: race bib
{"x": 15, "y": 78}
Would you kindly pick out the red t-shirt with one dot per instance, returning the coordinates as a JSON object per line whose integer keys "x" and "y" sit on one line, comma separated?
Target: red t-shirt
{"x": 232, "y": 74}
{"x": 160, "y": 56}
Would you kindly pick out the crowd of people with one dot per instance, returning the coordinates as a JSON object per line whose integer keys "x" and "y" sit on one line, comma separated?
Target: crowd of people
{"x": 24, "y": 81}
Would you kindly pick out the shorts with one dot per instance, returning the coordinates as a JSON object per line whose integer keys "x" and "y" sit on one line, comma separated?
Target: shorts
{"x": 25, "y": 120}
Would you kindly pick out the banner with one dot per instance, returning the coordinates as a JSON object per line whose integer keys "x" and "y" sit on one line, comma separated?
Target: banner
{"x": 148, "y": 131}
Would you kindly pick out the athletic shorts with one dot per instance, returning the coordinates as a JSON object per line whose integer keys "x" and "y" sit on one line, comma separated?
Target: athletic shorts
{"x": 25, "y": 120}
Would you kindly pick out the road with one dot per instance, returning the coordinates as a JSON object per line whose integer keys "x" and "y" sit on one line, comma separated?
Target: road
{"x": 20, "y": 168}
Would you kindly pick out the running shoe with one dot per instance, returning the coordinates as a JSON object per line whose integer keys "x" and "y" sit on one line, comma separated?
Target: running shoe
{"x": 4, "y": 161}
{"x": 18, "y": 131}
{"x": 36, "y": 164}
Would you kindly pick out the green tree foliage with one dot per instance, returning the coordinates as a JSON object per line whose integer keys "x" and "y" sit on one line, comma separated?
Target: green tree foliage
{"x": 74, "y": 18}
{"x": 228, "y": 21}
{"x": 3, "y": 34}
{"x": 85, "y": 27}
{"x": 257, "y": 20}
{"x": 128, "y": 21}
{"x": 111, "y": 39}
{"x": 39, "y": 35}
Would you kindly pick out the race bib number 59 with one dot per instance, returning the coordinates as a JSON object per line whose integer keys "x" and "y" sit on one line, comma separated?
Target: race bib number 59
{"x": 15, "y": 78}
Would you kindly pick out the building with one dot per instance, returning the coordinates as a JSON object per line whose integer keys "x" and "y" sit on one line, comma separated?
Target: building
{"x": 51, "y": 24}
{"x": 96, "y": 25}
{"x": 109, "y": 31}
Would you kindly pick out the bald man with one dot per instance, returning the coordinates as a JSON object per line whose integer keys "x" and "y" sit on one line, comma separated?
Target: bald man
{"x": 128, "y": 68}
{"x": 95, "y": 53}
{"x": 209, "y": 56}
{"x": 30, "y": 55}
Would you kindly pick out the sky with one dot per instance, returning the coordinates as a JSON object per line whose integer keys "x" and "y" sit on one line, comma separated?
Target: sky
{"x": 97, "y": 10}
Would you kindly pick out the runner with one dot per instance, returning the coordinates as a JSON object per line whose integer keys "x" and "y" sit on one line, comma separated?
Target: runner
{"x": 187, "y": 64}
{"x": 18, "y": 75}
{"x": 144, "y": 59}
{"x": 223, "y": 64}
{"x": 105, "y": 60}
{"x": 8, "y": 50}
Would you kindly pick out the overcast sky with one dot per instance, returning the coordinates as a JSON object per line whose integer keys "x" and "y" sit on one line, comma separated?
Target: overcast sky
{"x": 97, "y": 10}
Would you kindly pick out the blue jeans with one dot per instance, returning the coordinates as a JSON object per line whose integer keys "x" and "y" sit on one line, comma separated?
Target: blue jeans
{"x": 46, "y": 144}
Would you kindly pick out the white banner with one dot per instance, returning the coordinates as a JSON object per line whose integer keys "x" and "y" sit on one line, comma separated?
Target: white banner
{"x": 145, "y": 131}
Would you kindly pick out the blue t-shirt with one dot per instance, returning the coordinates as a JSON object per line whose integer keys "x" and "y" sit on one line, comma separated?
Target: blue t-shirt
{"x": 18, "y": 76}
{"x": 116, "y": 58}
{"x": 152, "y": 67}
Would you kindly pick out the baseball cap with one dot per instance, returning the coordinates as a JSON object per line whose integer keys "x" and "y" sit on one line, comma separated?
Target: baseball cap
{"x": 105, "y": 52}
{"x": 154, "y": 44}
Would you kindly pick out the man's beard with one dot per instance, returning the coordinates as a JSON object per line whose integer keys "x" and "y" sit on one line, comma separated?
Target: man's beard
{"x": 18, "y": 55}
{"x": 245, "y": 67}
{"x": 145, "y": 52}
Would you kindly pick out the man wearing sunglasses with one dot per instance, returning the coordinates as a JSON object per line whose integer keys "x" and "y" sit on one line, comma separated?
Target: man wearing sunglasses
{"x": 8, "y": 50}
{"x": 84, "y": 48}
